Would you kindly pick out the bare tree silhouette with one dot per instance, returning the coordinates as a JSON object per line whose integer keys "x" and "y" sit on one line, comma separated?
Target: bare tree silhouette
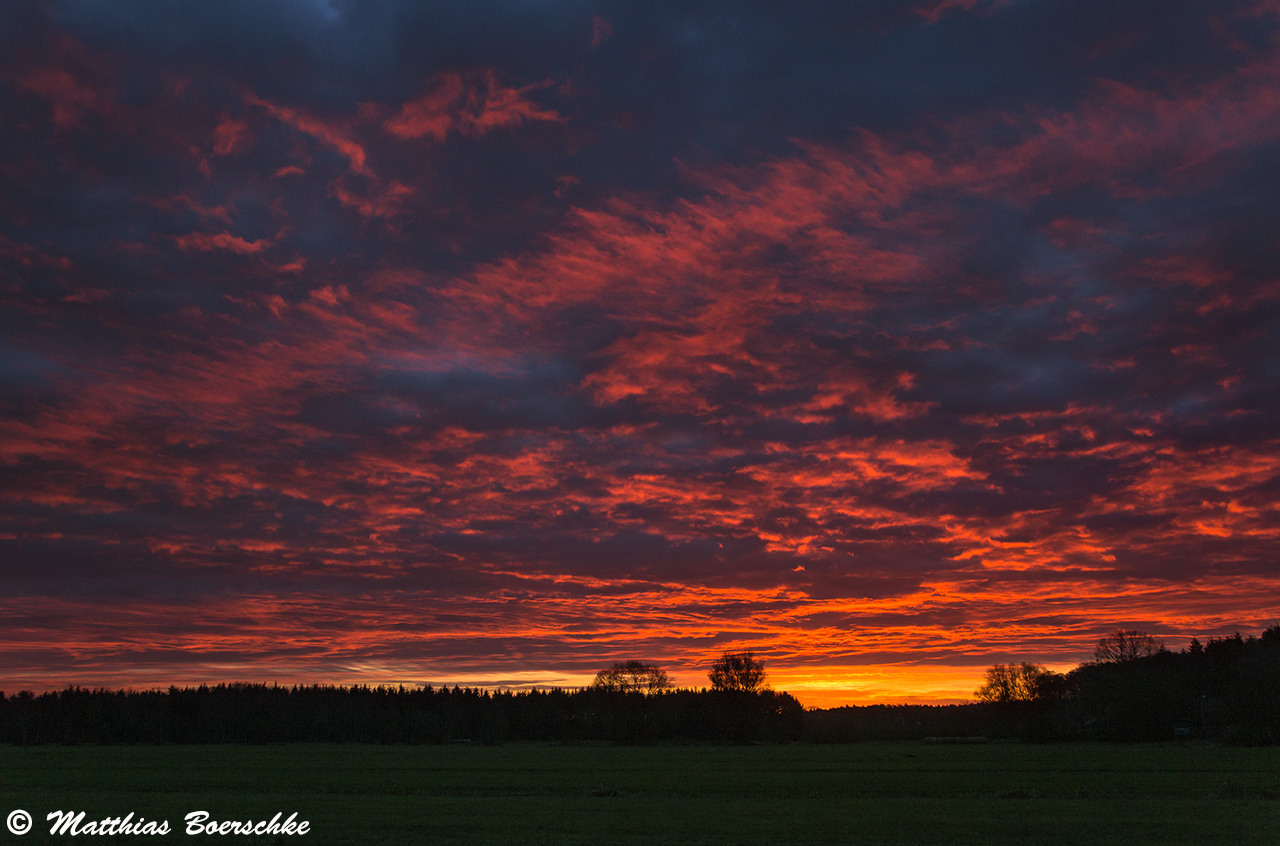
{"x": 1124, "y": 645}
{"x": 632, "y": 676}
{"x": 1025, "y": 682}
{"x": 737, "y": 671}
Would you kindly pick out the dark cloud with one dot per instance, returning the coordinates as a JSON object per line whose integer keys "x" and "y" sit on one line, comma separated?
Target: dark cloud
{"x": 393, "y": 341}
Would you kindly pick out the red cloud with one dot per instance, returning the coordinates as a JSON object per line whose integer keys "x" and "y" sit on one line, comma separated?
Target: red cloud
{"x": 379, "y": 201}
{"x": 748, "y": 406}
{"x": 70, "y": 96}
{"x": 601, "y": 30}
{"x": 934, "y": 10}
{"x": 469, "y": 105}
{"x": 206, "y": 241}
{"x": 172, "y": 204}
{"x": 230, "y": 135}
{"x": 331, "y": 134}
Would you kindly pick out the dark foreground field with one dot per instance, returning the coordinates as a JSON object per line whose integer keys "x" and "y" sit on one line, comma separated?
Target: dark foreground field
{"x": 524, "y": 794}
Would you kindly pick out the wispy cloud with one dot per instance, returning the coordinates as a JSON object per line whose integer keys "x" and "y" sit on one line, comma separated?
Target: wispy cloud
{"x": 490, "y": 361}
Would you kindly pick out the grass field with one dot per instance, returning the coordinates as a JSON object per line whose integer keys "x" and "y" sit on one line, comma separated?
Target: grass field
{"x": 524, "y": 794}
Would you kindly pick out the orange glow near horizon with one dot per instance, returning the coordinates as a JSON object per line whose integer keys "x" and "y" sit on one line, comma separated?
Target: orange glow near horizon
{"x": 894, "y": 684}
{"x": 493, "y": 367}
{"x": 840, "y": 686}
{"x": 810, "y": 646}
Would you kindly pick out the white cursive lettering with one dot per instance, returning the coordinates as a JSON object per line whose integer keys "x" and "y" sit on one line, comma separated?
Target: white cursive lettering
{"x": 72, "y": 823}
{"x": 198, "y": 822}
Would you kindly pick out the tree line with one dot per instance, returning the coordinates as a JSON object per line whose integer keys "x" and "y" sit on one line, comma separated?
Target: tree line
{"x": 1134, "y": 689}
{"x": 631, "y": 702}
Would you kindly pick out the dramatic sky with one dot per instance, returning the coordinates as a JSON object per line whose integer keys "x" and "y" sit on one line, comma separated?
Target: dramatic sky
{"x": 494, "y": 342}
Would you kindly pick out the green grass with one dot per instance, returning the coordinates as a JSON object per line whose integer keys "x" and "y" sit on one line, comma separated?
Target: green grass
{"x": 525, "y": 794}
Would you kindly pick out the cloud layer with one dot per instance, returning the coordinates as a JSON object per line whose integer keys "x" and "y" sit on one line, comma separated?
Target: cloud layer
{"x": 378, "y": 343}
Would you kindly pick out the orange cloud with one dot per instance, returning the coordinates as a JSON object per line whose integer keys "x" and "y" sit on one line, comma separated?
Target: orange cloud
{"x": 800, "y": 408}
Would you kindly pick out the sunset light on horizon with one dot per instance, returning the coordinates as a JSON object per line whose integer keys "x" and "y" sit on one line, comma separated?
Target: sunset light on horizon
{"x": 490, "y": 344}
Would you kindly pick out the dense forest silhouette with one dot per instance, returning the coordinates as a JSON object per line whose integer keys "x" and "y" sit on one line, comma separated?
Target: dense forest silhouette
{"x": 256, "y": 713}
{"x": 1226, "y": 690}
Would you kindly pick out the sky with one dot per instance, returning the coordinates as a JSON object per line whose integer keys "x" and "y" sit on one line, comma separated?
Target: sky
{"x": 495, "y": 342}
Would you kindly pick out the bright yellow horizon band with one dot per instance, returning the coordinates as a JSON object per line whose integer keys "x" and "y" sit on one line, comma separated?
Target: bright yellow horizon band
{"x": 816, "y": 687}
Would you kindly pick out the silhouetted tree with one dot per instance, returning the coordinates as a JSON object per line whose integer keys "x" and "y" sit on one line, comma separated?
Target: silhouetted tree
{"x": 737, "y": 671}
{"x": 1025, "y": 682}
{"x": 632, "y": 676}
{"x": 1226, "y": 690}
{"x": 1124, "y": 645}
